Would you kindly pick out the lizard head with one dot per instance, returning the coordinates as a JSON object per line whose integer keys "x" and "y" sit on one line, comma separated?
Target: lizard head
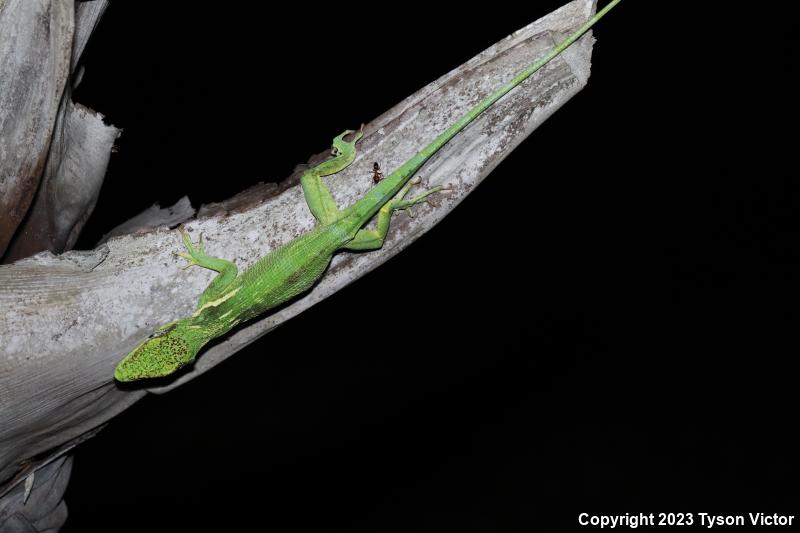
{"x": 167, "y": 350}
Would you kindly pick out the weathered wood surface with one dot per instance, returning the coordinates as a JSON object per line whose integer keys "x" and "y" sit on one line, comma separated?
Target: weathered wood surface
{"x": 35, "y": 55}
{"x": 76, "y": 156}
{"x": 66, "y": 320}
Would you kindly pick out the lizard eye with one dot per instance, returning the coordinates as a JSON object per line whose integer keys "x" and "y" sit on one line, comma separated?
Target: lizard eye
{"x": 162, "y": 331}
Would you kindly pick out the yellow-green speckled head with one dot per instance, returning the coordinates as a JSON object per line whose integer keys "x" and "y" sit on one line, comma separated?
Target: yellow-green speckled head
{"x": 170, "y": 348}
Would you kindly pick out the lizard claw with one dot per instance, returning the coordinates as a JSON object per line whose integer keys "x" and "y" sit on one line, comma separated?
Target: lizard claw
{"x": 188, "y": 257}
{"x": 192, "y": 253}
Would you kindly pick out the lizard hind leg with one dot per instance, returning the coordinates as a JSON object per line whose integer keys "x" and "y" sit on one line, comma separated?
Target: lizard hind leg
{"x": 372, "y": 239}
{"x": 347, "y": 148}
{"x": 318, "y": 197}
{"x": 196, "y": 256}
{"x": 401, "y": 204}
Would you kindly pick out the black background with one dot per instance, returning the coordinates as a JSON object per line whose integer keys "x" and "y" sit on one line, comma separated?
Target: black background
{"x": 603, "y": 330}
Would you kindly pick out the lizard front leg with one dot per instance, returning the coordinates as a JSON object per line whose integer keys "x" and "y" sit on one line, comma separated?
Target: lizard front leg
{"x": 197, "y": 257}
{"x": 318, "y": 196}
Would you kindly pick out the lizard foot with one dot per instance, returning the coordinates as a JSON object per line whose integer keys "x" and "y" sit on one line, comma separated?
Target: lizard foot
{"x": 196, "y": 255}
{"x": 340, "y": 146}
{"x": 401, "y": 204}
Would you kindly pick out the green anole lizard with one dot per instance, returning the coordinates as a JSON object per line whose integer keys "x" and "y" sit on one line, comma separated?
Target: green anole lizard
{"x": 294, "y": 267}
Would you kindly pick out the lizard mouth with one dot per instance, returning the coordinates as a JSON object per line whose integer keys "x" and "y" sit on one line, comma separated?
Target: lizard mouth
{"x": 134, "y": 372}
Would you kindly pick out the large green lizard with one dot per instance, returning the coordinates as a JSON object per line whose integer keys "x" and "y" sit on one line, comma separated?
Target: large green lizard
{"x": 292, "y": 269}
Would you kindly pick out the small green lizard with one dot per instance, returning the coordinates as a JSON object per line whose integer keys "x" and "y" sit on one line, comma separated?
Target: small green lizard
{"x": 293, "y": 268}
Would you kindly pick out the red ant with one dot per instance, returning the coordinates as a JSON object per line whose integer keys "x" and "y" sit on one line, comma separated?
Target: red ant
{"x": 377, "y": 175}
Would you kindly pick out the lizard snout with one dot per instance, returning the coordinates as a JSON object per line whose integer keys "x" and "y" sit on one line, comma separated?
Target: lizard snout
{"x": 156, "y": 357}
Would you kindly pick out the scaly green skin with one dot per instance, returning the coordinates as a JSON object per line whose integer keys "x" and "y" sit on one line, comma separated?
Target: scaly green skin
{"x": 293, "y": 268}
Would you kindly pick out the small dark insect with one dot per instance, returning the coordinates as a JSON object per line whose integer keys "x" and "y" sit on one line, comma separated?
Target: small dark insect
{"x": 377, "y": 175}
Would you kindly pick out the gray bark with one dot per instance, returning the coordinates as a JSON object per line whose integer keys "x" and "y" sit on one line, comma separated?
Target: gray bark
{"x": 76, "y": 147}
{"x": 68, "y": 319}
{"x": 35, "y": 54}
{"x": 38, "y": 506}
